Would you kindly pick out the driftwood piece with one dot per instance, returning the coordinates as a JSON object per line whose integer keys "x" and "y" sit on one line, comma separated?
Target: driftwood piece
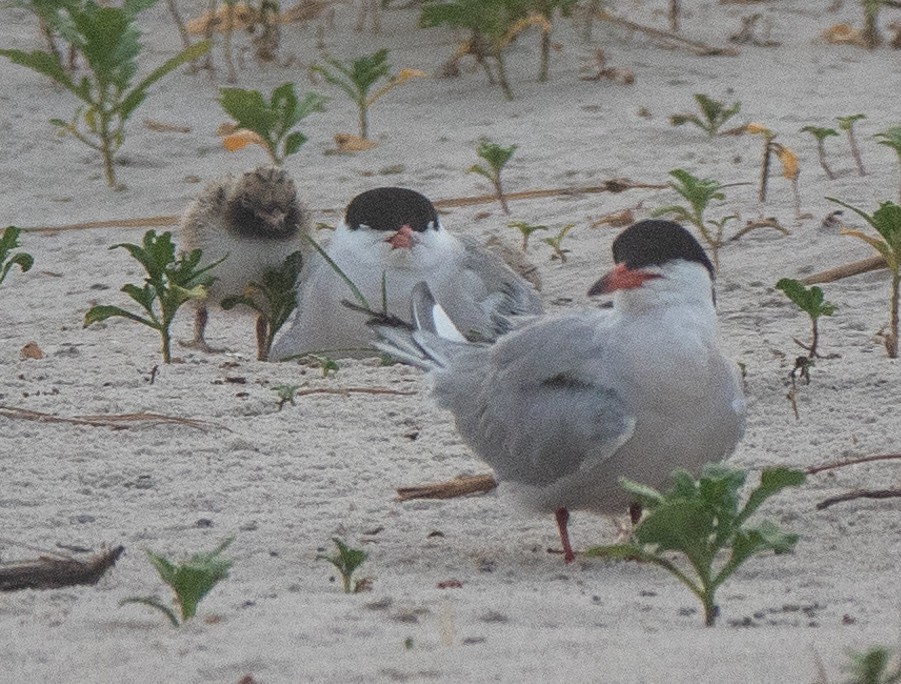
{"x": 845, "y": 271}
{"x": 449, "y": 489}
{"x": 116, "y": 421}
{"x": 859, "y": 494}
{"x": 812, "y": 470}
{"x": 53, "y": 573}
{"x": 695, "y": 46}
{"x": 614, "y": 185}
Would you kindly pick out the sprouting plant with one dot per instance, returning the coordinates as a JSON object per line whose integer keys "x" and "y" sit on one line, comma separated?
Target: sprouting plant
{"x": 700, "y": 519}
{"x": 496, "y": 157}
{"x": 875, "y": 666}
{"x": 713, "y": 114}
{"x": 492, "y": 24}
{"x": 556, "y": 242}
{"x": 870, "y": 33}
{"x": 273, "y": 298}
{"x": 821, "y": 134}
{"x": 285, "y": 394}
{"x": 326, "y": 363}
{"x": 891, "y": 137}
{"x": 767, "y": 135}
{"x": 887, "y": 222}
{"x": 790, "y": 170}
{"x": 271, "y": 121}
{"x": 525, "y": 230}
{"x": 108, "y": 39}
{"x": 346, "y": 561}
{"x": 9, "y": 241}
{"x": 846, "y": 123}
{"x": 190, "y": 581}
{"x": 169, "y": 283}
{"x": 546, "y": 10}
{"x": 699, "y": 192}
{"x": 811, "y": 301}
{"x": 357, "y": 78}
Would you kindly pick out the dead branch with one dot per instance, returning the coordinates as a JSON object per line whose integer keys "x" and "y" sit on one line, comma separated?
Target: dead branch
{"x": 846, "y": 271}
{"x": 53, "y": 573}
{"x": 860, "y": 494}
{"x": 449, "y": 489}
{"x": 347, "y": 391}
{"x": 695, "y": 46}
{"x": 812, "y": 470}
{"x": 760, "y": 223}
{"x": 117, "y": 422}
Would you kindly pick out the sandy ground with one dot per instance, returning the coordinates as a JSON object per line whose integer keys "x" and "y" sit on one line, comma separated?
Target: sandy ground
{"x": 284, "y": 482}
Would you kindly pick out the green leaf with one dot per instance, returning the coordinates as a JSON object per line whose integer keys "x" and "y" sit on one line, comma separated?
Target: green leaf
{"x": 45, "y": 63}
{"x": 153, "y": 602}
{"x": 293, "y": 143}
{"x": 101, "y": 312}
{"x": 772, "y": 481}
{"x": 810, "y": 300}
{"x": 193, "y": 579}
{"x": 818, "y": 132}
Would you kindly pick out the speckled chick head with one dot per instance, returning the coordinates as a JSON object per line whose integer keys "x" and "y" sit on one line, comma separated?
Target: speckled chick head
{"x": 262, "y": 205}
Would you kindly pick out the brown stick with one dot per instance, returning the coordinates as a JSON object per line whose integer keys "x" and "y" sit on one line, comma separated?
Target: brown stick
{"x": 812, "y": 470}
{"x": 846, "y": 271}
{"x": 113, "y": 421}
{"x": 693, "y": 45}
{"x": 52, "y": 573}
{"x": 614, "y": 185}
{"x": 345, "y": 391}
{"x": 860, "y": 494}
{"x": 449, "y": 489}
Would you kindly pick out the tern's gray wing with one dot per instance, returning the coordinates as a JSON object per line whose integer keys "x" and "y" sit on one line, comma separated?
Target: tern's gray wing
{"x": 506, "y": 294}
{"x": 541, "y": 403}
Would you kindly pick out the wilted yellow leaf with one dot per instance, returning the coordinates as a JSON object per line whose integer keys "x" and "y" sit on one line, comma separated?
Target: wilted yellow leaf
{"x": 789, "y": 161}
{"x": 842, "y": 34}
{"x": 353, "y": 143}
{"x": 757, "y": 128}
{"x": 241, "y": 139}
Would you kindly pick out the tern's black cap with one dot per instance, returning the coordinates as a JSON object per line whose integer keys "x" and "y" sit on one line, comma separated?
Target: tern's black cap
{"x": 390, "y": 208}
{"x": 654, "y": 243}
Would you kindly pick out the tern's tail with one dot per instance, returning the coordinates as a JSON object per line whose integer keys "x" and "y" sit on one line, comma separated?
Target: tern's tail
{"x": 429, "y": 342}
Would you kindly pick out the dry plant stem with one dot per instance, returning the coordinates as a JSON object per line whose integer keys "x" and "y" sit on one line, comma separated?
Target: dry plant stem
{"x": 463, "y": 485}
{"x": 347, "y": 391}
{"x": 765, "y": 167}
{"x": 695, "y": 46}
{"x": 845, "y": 271}
{"x": 821, "y": 154}
{"x": 855, "y": 153}
{"x": 762, "y": 223}
{"x": 813, "y": 470}
{"x": 227, "y": 42}
{"x": 859, "y": 494}
{"x": 796, "y": 193}
{"x": 674, "y": 16}
{"x": 179, "y": 23}
{"x": 891, "y": 338}
{"x": 208, "y": 35}
{"x": 53, "y": 573}
{"x": 117, "y": 421}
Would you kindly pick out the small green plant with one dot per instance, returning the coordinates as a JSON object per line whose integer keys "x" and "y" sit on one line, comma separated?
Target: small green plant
{"x": 699, "y": 193}
{"x": 496, "y": 158}
{"x": 821, "y": 134}
{"x": 9, "y": 241}
{"x": 811, "y": 301}
{"x": 713, "y": 114}
{"x": 875, "y": 666}
{"x": 326, "y": 363}
{"x": 545, "y": 11}
{"x": 190, "y": 581}
{"x": 556, "y": 242}
{"x": 357, "y": 78}
{"x": 492, "y": 24}
{"x": 107, "y": 37}
{"x": 170, "y": 282}
{"x": 887, "y": 222}
{"x": 274, "y": 298}
{"x": 891, "y": 137}
{"x": 346, "y": 561}
{"x": 525, "y": 230}
{"x": 700, "y": 519}
{"x": 846, "y": 123}
{"x": 272, "y": 121}
{"x": 285, "y": 394}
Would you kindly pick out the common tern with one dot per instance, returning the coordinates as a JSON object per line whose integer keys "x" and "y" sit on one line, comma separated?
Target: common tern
{"x": 565, "y": 405}
{"x": 390, "y": 239}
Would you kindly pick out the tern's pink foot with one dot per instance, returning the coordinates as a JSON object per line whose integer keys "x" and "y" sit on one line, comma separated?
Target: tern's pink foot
{"x": 562, "y": 516}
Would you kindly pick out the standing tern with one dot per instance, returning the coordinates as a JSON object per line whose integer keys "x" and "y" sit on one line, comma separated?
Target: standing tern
{"x": 564, "y": 406}
{"x": 390, "y": 239}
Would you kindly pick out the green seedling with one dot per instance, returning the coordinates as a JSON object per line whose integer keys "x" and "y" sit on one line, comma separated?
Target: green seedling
{"x": 713, "y": 114}
{"x": 556, "y": 242}
{"x": 108, "y": 39}
{"x": 846, "y": 123}
{"x": 875, "y": 666}
{"x": 870, "y": 34}
{"x": 496, "y": 158}
{"x": 699, "y": 193}
{"x": 811, "y": 301}
{"x": 170, "y": 282}
{"x": 887, "y": 222}
{"x": 326, "y": 364}
{"x": 190, "y": 582}
{"x": 274, "y": 298}
{"x": 357, "y": 78}
{"x": 272, "y": 121}
{"x": 767, "y": 135}
{"x": 285, "y": 394}
{"x": 9, "y": 241}
{"x": 821, "y": 134}
{"x": 493, "y": 24}
{"x": 700, "y": 519}
{"x": 346, "y": 561}
{"x": 545, "y": 12}
{"x": 891, "y": 137}
{"x": 525, "y": 230}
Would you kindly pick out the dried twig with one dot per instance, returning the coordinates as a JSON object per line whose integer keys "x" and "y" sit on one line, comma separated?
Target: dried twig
{"x": 346, "y": 391}
{"x": 759, "y": 223}
{"x": 846, "y": 271}
{"x": 812, "y": 470}
{"x": 52, "y": 573}
{"x": 695, "y": 46}
{"x": 859, "y": 494}
{"x": 449, "y": 489}
{"x": 118, "y": 421}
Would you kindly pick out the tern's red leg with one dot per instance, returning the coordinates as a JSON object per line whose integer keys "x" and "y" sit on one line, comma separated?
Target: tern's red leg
{"x": 562, "y": 516}
{"x": 634, "y": 513}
